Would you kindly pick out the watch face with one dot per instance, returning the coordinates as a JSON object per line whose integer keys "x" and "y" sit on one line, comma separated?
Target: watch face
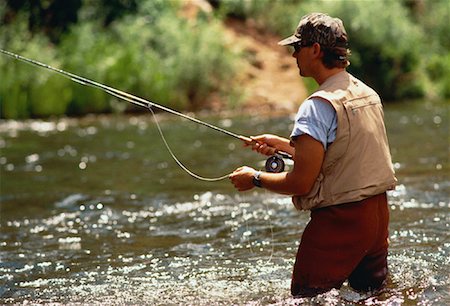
{"x": 256, "y": 180}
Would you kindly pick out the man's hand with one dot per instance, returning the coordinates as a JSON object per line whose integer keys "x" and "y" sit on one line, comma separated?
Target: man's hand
{"x": 242, "y": 178}
{"x": 269, "y": 144}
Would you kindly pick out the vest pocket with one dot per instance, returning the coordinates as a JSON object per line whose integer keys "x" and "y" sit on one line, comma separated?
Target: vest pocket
{"x": 352, "y": 106}
{"x": 314, "y": 198}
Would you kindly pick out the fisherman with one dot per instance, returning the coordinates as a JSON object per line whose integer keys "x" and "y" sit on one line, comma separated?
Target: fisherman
{"x": 342, "y": 167}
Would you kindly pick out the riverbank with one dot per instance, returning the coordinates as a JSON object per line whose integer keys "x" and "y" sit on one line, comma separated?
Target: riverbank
{"x": 270, "y": 77}
{"x": 205, "y": 54}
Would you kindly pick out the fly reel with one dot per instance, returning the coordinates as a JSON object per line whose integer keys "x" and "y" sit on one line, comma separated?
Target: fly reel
{"x": 275, "y": 164}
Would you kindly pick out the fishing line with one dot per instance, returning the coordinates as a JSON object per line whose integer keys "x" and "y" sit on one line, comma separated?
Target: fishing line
{"x": 179, "y": 163}
{"x": 273, "y": 164}
{"x": 271, "y": 235}
{"x": 182, "y": 166}
{"x": 121, "y": 94}
{"x": 248, "y": 238}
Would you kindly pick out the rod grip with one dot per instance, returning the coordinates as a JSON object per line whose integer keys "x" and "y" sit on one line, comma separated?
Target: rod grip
{"x": 250, "y": 141}
{"x": 247, "y": 140}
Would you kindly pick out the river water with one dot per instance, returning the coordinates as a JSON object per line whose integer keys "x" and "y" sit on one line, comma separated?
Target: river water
{"x": 95, "y": 211}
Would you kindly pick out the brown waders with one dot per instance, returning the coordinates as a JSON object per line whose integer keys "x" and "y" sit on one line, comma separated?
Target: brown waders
{"x": 346, "y": 241}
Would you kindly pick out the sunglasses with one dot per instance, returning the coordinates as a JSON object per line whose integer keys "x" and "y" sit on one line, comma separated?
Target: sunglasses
{"x": 299, "y": 45}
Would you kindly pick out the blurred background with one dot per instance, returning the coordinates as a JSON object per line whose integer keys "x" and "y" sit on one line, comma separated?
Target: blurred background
{"x": 191, "y": 54}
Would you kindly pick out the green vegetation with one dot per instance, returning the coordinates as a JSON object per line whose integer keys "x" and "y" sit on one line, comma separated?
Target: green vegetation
{"x": 145, "y": 47}
{"x": 400, "y": 47}
{"x": 152, "y": 53}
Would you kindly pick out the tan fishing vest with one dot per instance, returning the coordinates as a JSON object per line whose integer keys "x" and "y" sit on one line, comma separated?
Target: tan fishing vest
{"x": 357, "y": 165}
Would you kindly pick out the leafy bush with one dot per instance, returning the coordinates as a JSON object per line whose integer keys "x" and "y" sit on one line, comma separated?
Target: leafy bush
{"x": 195, "y": 57}
{"x": 24, "y": 90}
{"x": 145, "y": 48}
{"x": 386, "y": 46}
{"x": 155, "y": 54}
{"x": 436, "y": 56}
{"x": 391, "y": 50}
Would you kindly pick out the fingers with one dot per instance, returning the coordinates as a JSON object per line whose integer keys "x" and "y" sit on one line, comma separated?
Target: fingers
{"x": 242, "y": 178}
{"x": 263, "y": 148}
{"x": 236, "y": 172}
{"x": 261, "y": 143}
{"x": 253, "y": 139}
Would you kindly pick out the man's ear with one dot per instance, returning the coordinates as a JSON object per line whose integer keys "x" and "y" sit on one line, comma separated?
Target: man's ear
{"x": 317, "y": 50}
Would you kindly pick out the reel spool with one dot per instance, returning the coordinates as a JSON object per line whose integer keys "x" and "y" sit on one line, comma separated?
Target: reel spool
{"x": 275, "y": 164}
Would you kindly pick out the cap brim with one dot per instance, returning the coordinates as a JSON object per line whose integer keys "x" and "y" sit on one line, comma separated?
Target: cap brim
{"x": 289, "y": 41}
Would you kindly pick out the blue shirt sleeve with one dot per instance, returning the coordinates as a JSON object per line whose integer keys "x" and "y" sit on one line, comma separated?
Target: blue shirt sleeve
{"x": 316, "y": 118}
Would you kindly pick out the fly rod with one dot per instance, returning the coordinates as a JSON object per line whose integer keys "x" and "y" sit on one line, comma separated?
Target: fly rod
{"x": 120, "y": 94}
{"x": 132, "y": 98}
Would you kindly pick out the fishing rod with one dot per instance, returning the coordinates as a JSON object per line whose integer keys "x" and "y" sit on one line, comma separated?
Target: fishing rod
{"x": 275, "y": 163}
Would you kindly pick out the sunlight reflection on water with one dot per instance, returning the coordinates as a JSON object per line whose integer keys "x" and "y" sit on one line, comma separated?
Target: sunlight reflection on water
{"x": 214, "y": 248}
{"x": 107, "y": 218}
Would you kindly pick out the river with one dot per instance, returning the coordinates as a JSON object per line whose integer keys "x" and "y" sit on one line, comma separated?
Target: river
{"x": 95, "y": 211}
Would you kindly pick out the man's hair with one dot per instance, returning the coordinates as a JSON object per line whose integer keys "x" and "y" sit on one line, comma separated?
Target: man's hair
{"x": 325, "y": 30}
{"x": 335, "y": 57}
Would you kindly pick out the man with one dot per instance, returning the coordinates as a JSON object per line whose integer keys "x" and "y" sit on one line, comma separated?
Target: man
{"x": 342, "y": 167}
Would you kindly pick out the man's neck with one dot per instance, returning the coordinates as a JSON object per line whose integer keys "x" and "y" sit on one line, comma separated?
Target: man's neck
{"x": 325, "y": 73}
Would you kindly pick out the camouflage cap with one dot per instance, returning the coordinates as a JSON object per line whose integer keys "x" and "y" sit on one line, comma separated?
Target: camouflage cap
{"x": 329, "y": 32}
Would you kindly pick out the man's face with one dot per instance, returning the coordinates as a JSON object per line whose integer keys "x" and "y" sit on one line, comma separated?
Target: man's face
{"x": 300, "y": 56}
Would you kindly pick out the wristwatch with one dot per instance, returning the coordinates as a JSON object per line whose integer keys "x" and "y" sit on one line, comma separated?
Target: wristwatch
{"x": 256, "y": 179}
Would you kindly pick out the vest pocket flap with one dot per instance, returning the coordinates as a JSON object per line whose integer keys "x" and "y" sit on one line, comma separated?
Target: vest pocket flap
{"x": 352, "y": 106}
{"x": 313, "y": 198}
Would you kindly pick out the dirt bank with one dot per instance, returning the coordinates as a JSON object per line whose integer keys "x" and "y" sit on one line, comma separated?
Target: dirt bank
{"x": 270, "y": 75}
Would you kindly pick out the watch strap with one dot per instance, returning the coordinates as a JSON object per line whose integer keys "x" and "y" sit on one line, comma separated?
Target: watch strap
{"x": 256, "y": 179}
